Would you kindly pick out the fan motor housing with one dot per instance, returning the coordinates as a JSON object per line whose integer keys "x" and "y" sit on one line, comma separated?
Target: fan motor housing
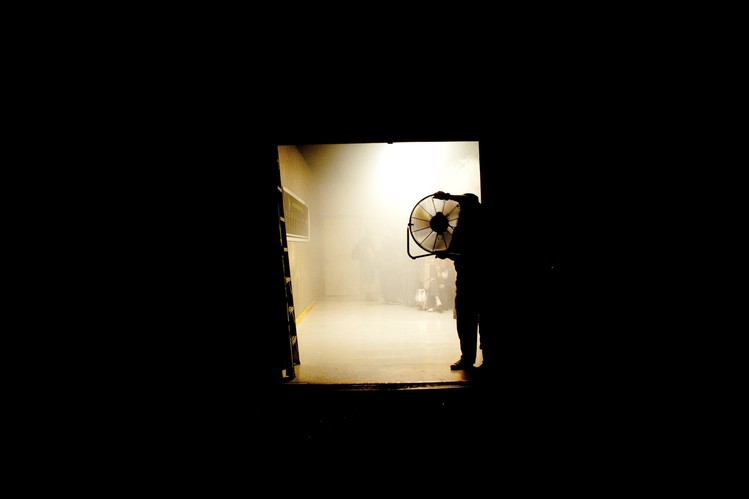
{"x": 439, "y": 223}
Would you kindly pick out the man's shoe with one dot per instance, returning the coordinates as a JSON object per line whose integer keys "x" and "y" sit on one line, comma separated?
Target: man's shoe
{"x": 461, "y": 365}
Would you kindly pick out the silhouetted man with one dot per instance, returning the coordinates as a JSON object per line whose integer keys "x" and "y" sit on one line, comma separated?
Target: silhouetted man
{"x": 469, "y": 280}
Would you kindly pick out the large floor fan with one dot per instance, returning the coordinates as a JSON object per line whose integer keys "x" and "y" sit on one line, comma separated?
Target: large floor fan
{"x": 431, "y": 225}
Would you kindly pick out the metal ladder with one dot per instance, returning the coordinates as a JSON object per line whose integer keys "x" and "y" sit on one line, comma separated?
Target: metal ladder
{"x": 293, "y": 358}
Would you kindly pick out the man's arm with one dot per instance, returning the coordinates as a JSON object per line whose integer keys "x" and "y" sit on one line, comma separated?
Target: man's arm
{"x": 460, "y": 198}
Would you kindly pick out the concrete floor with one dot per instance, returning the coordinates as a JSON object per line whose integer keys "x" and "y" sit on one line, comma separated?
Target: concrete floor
{"x": 375, "y": 380}
{"x": 374, "y": 374}
{"x": 347, "y": 340}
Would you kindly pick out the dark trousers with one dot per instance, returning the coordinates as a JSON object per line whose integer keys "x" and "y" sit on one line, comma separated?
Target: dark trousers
{"x": 468, "y": 305}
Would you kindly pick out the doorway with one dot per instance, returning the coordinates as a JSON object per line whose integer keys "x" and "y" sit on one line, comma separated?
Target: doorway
{"x": 353, "y": 330}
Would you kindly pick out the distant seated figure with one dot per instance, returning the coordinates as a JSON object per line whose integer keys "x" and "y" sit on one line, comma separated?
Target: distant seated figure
{"x": 441, "y": 292}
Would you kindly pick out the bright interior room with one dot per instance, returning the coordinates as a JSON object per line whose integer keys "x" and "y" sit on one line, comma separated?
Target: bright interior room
{"x": 371, "y": 305}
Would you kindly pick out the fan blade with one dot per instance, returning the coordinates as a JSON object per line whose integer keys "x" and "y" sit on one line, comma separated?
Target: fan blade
{"x": 421, "y": 212}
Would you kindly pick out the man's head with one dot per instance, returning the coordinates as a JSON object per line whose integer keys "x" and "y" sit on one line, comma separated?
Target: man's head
{"x": 471, "y": 200}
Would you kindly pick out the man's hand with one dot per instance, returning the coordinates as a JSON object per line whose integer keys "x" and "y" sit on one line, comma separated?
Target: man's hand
{"x": 442, "y": 195}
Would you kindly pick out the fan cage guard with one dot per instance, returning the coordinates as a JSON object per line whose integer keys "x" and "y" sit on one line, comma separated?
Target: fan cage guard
{"x": 431, "y": 225}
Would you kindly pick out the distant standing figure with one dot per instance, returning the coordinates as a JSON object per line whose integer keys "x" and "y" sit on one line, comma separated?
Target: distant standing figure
{"x": 364, "y": 252}
{"x": 391, "y": 275}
